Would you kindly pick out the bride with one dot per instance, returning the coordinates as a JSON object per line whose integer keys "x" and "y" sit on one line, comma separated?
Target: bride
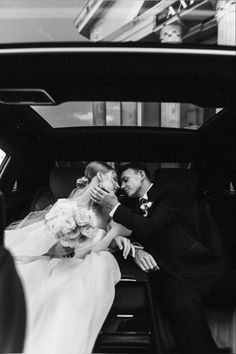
{"x": 69, "y": 290}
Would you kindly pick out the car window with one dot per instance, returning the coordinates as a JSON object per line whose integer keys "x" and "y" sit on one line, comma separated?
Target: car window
{"x": 151, "y": 166}
{"x": 153, "y": 114}
{"x": 2, "y": 156}
{"x": 5, "y": 158}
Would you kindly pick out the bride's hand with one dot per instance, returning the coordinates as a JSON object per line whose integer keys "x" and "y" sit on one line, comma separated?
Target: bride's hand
{"x": 124, "y": 244}
{"x": 59, "y": 251}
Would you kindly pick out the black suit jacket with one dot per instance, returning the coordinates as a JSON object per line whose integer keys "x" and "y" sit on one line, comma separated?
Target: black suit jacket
{"x": 172, "y": 235}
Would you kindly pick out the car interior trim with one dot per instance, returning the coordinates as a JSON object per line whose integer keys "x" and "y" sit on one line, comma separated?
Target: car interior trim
{"x": 191, "y": 51}
{"x": 26, "y": 96}
{"x": 4, "y": 165}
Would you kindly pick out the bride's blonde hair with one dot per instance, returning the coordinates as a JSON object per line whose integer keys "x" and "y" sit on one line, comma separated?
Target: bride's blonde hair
{"x": 91, "y": 170}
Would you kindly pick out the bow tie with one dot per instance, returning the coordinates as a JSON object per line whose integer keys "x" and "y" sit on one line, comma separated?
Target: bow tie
{"x": 143, "y": 206}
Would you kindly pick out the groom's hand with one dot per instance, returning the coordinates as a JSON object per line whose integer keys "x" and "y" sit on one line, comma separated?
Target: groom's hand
{"x": 105, "y": 198}
{"x": 145, "y": 261}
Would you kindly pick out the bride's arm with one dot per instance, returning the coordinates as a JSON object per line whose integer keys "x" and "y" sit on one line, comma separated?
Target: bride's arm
{"x": 113, "y": 230}
{"x": 123, "y": 243}
{"x": 120, "y": 239}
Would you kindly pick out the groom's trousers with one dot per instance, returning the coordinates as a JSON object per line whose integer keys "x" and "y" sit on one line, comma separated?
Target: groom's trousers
{"x": 185, "y": 308}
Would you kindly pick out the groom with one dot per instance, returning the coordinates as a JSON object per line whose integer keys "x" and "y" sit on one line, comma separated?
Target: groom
{"x": 165, "y": 225}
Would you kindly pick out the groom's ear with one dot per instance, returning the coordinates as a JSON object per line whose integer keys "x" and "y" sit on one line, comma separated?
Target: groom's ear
{"x": 142, "y": 174}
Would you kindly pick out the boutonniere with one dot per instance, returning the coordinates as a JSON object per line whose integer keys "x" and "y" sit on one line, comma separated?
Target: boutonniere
{"x": 145, "y": 206}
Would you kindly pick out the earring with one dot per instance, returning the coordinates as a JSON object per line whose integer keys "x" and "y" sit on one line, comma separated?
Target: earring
{"x": 99, "y": 179}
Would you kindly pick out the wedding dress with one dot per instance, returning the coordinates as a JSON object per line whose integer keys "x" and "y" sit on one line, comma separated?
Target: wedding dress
{"x": 67, "y": 299}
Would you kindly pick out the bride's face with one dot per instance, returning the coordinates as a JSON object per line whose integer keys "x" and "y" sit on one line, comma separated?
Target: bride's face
{"x": 109, "y": 181}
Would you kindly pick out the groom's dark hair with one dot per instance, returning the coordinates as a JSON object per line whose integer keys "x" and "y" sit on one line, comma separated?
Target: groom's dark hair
{"x": 136, "y": 166}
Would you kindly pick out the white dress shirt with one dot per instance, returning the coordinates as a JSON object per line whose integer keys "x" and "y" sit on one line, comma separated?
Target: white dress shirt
{"x": 145, "y": 196}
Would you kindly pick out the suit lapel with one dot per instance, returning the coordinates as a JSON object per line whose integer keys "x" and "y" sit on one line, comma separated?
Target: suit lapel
{"x": 137, "y": 209}
{"x": 154, "y": 194}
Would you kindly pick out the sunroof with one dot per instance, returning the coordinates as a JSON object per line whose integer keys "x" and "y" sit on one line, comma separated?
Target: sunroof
{"x": 199, "y": 22}
{"x": 143, "y": 114}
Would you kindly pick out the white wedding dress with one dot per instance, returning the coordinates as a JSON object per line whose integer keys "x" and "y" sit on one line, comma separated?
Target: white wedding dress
{"x": 67, "y": 299}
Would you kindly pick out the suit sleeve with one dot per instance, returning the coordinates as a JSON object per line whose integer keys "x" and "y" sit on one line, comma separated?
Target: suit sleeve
{"x": 169, "y": 209}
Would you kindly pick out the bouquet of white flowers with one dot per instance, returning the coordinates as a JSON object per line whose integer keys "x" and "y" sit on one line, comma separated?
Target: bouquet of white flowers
{"x": 70, "y": 224}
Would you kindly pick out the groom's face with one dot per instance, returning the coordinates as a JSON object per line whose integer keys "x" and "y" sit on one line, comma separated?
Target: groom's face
{"x": 131, "y": 182}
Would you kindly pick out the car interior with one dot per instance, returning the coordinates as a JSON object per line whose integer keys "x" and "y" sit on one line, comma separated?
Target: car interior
{"x": 42, "y": 163}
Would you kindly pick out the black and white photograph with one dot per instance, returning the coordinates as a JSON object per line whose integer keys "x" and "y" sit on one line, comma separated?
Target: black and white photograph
{"x": 117, "y": 176}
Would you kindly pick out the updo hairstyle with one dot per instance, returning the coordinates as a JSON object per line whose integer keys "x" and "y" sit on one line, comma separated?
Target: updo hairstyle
{"x": 91, "y": 170}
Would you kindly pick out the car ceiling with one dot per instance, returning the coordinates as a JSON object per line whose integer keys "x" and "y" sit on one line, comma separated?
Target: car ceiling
{"x": 105, "y": 73}
{"x": 206, "y": 80}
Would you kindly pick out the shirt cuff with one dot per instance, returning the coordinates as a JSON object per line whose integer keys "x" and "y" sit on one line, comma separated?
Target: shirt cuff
{"x": 112, "y": 212}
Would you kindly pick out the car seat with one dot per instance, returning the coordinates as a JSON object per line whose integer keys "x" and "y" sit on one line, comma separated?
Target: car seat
{"x": 62, "y": 181}
{"x": 131, "y": 325}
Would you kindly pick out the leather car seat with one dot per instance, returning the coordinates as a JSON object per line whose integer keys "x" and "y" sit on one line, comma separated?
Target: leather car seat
{"x": 62, "y": 181}
{"x": 131, "y": 325}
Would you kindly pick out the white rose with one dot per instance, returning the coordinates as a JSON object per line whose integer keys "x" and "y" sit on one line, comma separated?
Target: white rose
{"x": 74, "y": 234}
{"x": 82, "y": 216}
{"x": 87, "y": 231}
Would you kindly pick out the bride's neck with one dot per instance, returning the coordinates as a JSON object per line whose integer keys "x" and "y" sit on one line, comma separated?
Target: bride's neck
{"x": 84, "y": 200}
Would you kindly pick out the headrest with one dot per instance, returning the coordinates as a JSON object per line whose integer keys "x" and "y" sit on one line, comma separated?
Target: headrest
{"x": 62, "y": 180}
{"x": 186, "y": 179}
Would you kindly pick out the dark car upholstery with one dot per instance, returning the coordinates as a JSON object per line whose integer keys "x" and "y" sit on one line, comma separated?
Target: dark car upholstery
{"x": 12, "y": 301}
{"x": 222, "y": 322}
{"x": 62, "y": 181}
